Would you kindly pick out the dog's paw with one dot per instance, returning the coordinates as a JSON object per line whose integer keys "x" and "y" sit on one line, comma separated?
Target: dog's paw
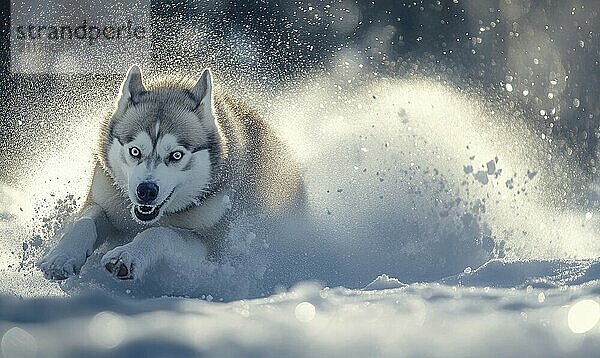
{"x": 125, "y": 262}
{"x": 60, "y": 264}
{"x": 69, "y": 255}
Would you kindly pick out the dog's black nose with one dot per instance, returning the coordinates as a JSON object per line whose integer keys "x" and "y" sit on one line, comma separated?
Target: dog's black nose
{"x": 147, "y": 192}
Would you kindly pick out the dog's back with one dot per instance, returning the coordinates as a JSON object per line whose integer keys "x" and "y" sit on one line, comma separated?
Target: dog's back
{"x": 260, "y": 168}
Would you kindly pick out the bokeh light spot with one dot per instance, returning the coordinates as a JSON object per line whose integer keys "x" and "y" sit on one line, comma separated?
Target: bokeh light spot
{"x": 305, "y": 312}
{"x": 583, "y": 316}
{"x": 107, "y": 329}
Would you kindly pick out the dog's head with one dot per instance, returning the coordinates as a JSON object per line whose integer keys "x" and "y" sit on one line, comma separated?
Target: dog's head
{"x": 161, "y": 143}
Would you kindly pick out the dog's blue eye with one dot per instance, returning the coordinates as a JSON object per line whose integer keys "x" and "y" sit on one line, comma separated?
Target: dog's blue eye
{"x": 135, "y": 152}
{"x": 177, "y": 155}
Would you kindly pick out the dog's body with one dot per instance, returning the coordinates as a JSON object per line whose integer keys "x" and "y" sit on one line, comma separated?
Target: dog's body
{"x": 175, "y": 162}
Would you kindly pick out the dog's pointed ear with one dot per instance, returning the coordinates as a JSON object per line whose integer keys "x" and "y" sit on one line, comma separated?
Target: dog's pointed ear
{"x": 202, "y": 94}
{"x": 131, "y": 87}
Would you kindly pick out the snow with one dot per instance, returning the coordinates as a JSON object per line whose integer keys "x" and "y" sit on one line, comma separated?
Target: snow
{"x": 403, "y": 252}
{"x": 421, "y": 319}
{"x": 383, "y": 282}
{"x": 450, "y": 158}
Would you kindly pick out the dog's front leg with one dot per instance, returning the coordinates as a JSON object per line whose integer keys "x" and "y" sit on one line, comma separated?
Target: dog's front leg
{"x": 75, "y": 245}
{"x": 132, "y": 260}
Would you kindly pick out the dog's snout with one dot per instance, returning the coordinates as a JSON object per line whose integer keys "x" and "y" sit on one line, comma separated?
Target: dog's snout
{"x": 147, "y": 192}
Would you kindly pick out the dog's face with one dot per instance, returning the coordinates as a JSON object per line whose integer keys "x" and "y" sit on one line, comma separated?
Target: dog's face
{"x": 161, "y": 145}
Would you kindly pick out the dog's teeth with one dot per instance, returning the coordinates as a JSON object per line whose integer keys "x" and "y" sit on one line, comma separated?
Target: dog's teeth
{"x": 143, "y": 209}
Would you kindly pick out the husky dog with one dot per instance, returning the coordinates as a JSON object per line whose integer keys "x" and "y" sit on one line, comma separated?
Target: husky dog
{"x": 175, "y": 162}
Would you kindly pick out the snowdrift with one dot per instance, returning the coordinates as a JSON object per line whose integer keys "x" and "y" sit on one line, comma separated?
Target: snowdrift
{"x": 428, "y": 319}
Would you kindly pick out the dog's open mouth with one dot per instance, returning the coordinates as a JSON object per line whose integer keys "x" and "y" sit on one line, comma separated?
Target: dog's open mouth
{"x": 146, "y": 212}
{"x": 149, "y": 212}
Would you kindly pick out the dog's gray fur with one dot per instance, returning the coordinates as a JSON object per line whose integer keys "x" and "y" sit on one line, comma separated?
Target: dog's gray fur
{"x": 231, "y": 162}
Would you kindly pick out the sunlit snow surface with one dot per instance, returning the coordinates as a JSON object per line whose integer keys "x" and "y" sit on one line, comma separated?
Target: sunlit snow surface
{"x": 418, "y": 320}
{"x": 411, "y": 179}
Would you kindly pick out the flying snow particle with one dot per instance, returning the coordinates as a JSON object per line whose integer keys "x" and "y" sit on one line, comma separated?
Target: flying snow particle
{"x": 509, "y": 87}
{"x": 541, "y": 297}
{"x": 227, "y": 202}
{"x": 576, "y": 102}
{"x": 491, "y": 167}
{"x": 305, "y": 312}
{"x": 588, "y": 216}
{"x": 583, "y": 316}
{"x": 467, "y": 270}
{"x": 482, "y": 177}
